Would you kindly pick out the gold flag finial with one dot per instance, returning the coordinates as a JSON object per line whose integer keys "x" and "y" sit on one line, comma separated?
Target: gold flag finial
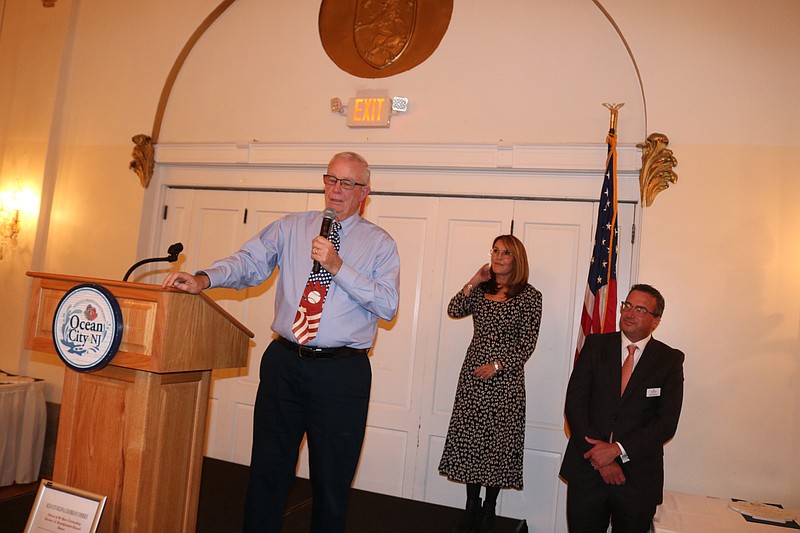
{"x": 614, "y": 108}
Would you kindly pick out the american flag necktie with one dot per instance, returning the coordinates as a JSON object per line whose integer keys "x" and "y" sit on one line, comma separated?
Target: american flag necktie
{"x": 309, "y": 312}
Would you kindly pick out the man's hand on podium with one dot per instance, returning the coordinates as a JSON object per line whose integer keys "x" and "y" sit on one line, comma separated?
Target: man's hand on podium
{"x": 187, "y": 282}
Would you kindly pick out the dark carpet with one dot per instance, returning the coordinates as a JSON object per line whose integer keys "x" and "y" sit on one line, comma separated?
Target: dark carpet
{"x": 222, "y": 491}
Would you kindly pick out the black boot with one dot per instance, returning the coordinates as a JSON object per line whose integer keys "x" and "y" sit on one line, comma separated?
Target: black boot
{"x": 471, "y": 516}
{"x": 486, "y": 518}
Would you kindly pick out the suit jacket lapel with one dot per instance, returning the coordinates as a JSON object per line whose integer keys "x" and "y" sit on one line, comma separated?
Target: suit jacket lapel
{"x": 614, "y": 366}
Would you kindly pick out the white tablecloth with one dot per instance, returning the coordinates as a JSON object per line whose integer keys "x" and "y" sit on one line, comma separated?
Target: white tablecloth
{"x": 23, "y": 419}
{"x": 691, "y": 513}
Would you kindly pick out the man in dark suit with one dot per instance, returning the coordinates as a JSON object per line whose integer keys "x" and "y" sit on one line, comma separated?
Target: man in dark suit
{"x": 614, "y": 462}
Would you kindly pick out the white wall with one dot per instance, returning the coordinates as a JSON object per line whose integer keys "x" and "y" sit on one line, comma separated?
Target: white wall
{"x": 720, "y": 80}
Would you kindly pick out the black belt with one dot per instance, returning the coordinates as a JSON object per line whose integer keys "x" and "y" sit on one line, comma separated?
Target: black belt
{"x": 314, "y": 352}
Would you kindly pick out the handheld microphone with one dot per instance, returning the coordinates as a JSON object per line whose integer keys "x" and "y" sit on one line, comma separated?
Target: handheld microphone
{"x": 174, "y": 250}
{"x": 324, "y": 231}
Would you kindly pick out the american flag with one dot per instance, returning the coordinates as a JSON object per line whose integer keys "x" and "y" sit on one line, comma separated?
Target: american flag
{"x": 600, "y": 302}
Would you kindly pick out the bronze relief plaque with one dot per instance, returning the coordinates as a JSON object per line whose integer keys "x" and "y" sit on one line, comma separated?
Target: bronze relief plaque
{"x": 381, "y": 38}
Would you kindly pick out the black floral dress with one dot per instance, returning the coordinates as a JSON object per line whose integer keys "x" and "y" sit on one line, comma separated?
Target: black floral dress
{"x": 486, "y": 436}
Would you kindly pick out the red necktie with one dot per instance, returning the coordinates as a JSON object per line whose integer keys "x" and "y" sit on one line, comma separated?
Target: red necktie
{"x": 627, "y": 368}
{"x": 309, "y": 312}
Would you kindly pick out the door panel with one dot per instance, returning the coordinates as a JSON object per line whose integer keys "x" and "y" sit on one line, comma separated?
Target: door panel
{"x": 257, "y": 312}
{"x": 555, "y": 235}
{"x": 390, "y": 445}
{"x": 465, "y": 231}
{"x": 217, "y": 220}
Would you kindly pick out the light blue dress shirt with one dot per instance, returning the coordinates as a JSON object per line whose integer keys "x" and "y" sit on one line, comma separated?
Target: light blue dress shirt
{"x": 364, "y": 290}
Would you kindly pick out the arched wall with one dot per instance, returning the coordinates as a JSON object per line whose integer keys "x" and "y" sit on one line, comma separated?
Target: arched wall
{"x": 260, "y": 72}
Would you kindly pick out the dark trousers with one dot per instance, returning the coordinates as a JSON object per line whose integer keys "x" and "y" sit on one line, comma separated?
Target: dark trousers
{"x": 326, "y": 399}
{"x": 591, "y": 508}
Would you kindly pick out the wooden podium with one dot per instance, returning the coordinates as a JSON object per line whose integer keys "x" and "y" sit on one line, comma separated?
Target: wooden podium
{"x": 134, "y": 430}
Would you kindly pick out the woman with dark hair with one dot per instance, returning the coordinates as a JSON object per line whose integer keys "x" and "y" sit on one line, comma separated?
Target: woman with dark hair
{"x": 484, "y": 445}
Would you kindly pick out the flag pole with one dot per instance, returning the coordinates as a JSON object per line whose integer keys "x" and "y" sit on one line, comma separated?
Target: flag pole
{"x": 600, "y": 300}
{"x": 611, "y": 139}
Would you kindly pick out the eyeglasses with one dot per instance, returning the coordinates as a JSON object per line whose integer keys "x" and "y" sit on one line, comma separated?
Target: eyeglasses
{"x": 500, "y": 253}
{"x": 637, "y": 310}
{"x": 346, "y": 184}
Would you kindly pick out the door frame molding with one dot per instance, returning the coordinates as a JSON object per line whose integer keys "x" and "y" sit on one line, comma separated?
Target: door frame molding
{"x": 540, "y": 171}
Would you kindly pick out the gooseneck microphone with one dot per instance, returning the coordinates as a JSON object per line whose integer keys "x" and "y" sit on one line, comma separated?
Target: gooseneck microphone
{"x": 174, "y": 250}
{"x": 324, "y": 231}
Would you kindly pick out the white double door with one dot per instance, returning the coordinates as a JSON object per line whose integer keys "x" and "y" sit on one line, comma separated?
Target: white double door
{"x": 417, "y": 356}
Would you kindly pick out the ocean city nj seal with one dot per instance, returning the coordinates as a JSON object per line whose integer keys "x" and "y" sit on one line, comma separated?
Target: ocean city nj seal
{"x": 87, "y": 327}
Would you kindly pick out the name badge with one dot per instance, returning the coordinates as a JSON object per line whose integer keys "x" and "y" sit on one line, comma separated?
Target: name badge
{"x": 651, "y": 393}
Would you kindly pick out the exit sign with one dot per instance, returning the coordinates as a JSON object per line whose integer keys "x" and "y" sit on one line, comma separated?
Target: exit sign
{"x": 369, "y": 109}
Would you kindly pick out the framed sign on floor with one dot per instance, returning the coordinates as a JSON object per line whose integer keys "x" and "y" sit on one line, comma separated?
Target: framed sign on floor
{"x": 61, "y": 508}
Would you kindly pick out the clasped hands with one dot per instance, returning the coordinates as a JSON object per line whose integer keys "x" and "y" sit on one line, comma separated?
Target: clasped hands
{"x": 602, "y": 458}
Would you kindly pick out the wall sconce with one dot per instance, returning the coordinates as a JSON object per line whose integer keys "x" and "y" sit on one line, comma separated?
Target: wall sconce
{"x": 9, "y": 229}
{"x": 12, "y": 206}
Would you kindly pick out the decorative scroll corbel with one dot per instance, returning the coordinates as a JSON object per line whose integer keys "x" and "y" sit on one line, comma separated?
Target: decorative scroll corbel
{"x": 657, "y": 165}
{"x": 144, "y": 159}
